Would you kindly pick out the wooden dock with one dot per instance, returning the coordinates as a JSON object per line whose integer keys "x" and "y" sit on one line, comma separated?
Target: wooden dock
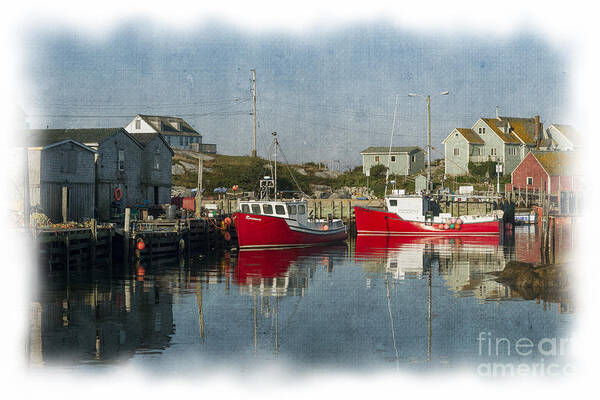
{"x": 74, "y": 249}
{"x": 152, "y": 239}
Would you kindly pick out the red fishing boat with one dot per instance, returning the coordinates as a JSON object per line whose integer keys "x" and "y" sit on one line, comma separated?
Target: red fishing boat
{"x": 413, "y": 215}
{"x": 275, "y": 223}
{"x": 261, "y": 224}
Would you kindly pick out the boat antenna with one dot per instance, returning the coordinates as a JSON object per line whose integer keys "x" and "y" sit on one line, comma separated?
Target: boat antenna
{"x": 387, "y": 171}
{"x": 275, "y": 144}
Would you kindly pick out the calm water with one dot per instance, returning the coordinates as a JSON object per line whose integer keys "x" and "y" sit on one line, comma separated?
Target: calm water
{"x": 387, "y": 303}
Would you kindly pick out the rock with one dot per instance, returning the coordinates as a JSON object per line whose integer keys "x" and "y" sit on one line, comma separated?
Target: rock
{"x": 180, "y": 191}
{"x": 320, "y": 188}
{"x": 327, "y": 174}
{"x": 177, "y": 169}
{"x": 301, "y": 171}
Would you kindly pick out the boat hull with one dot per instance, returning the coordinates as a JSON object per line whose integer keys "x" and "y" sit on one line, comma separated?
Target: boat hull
{"x": 375, "y": 222}
{"x": 261, "y": 231}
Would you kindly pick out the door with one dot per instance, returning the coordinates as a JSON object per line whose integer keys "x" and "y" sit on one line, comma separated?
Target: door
{"x": 156, "y": 195}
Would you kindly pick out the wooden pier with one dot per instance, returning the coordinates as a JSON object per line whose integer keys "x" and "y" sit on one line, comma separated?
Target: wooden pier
{"x": 74, "y": 249}
{"x": 152, "y": 239}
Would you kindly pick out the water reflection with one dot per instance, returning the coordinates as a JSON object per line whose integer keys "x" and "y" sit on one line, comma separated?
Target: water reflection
{"x": 400, "y": 302}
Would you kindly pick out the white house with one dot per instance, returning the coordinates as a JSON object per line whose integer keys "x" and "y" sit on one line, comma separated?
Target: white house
{"x": 177, "y": 133}
{"x": 505, "y": 140}
{"x": 564, "y": 137}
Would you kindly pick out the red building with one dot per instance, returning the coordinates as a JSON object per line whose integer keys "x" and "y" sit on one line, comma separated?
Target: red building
{"x": 550, "y": 171}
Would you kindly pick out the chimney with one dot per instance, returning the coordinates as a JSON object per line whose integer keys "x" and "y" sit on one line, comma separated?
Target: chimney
{"x": 537, "y": 129}
{"x": 497, "y": 113}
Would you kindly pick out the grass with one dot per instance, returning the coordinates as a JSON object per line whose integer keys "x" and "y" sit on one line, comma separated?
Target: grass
{"x": 245, "y": 171}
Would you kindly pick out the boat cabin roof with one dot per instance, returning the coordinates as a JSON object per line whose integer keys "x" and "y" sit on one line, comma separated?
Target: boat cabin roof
{"x": 284, "y": 209}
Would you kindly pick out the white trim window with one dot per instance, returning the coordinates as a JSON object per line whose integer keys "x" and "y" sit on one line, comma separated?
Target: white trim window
{"x": 457, "y": 151}
{"x": 121, "y": 163}
{"x": 530, "y": 180}
{"x": 493, "y": 151}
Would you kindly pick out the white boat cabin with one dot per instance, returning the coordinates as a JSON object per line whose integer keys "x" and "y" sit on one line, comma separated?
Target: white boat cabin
{"x": 296, "y": 210}
{"x": 420, "y": 208}
{"x": 408, "y": 207}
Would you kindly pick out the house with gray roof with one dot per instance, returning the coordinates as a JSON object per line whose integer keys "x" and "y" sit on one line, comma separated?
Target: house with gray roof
{"x": 505, "y": 140}
{"x": 130, "y": 169}
{"x": 177, "y": 132}
{"x": 61, "y": 172}
{"x": 401, "y": 160}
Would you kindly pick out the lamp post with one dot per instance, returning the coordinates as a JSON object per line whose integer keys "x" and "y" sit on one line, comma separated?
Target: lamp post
{"x": 428, "y": 100}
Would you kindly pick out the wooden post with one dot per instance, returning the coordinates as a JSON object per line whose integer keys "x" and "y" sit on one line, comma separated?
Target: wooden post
{"x": 67, "y": 253}
{"x": 199, "y": 187}
{"x": 332, "y": 209}
{"x": 94, "y": 241}
{"x": 126, "y": 228}
{"x": 342, "y": 210}
{"x": 65, "y": 201}
{"x": 320, "y": 209}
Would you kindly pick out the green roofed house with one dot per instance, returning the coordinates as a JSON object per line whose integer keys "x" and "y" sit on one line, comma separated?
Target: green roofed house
{"x": 401, "y": 160}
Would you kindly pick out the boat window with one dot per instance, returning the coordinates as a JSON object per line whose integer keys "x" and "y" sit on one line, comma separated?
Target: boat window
{"x": 256, "y": 208}
{"x": 301, "y": 209}
{"x": 393, "y": 203}
{"x": 279, "y": 209}
{"x": 292, "y": 210}
{"x": 245, "y": 208}
{"x": 267, "y": 209}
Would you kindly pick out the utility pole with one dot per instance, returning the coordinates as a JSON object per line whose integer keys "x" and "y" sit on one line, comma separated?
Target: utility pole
{"x": 428, "y": 100}
{"x": 254, "y": 111}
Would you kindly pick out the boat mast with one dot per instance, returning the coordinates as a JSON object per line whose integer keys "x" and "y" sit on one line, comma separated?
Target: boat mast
{"x": 387, "y": 171}
{"x": 275, "y": 144}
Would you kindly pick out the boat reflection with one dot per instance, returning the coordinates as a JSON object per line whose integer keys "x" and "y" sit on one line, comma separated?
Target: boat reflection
{"x": 281, "y": 272}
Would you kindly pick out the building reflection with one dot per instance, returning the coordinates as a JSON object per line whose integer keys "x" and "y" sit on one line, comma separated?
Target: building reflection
{"x": 469, "y": 266}
{"x": 79, "y": 323}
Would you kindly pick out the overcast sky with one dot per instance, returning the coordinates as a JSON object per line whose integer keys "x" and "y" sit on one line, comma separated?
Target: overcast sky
{"x": 329, "y": 95}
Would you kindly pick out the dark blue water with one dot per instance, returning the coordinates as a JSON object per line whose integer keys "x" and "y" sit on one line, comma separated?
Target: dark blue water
{"x": 375, "y": 303}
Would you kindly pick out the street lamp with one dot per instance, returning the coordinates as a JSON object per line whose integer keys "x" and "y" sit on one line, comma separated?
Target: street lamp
{"x": 428, "y": 100}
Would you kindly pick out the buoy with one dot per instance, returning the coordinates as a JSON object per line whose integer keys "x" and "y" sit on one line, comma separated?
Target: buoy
{"x": 140, "y": 244}
{"x": 459, "y": 221}
{"x": 453, "y": 221}
{"x": 457, "y": 226}
{"x": 227, "y": 221}
{"x": 118, "y": 194}
{"x": 451, "y": 226}
{"x": 325, "y": 227}
{"x": 227, "y": 236}
{"x": 446, "y": 226}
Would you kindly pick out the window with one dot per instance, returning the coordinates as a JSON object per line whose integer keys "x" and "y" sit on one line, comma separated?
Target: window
{"x": 530, "y": 180}
{"x": 181, "y": 140}
{"x": 481, "y": 130}
{"x": 393, "y": 203}
{"x": 393, "y": 158}
{"x": 267, "y": 209}
{"x": 138, "y": 124}
{"x": 476, "y": 151}
{"x": 157, "y": 159}
{"x": 493, "y": 151}
{"x": 121, "y": 160}
{"x": 413, "y": 158}
{"x": 245, "y": 208}
{"x": 301, "y": 209}
{"x": 68, "y": 161}
{"x": 376, "y": 158}
{"x": 456, "y": 151}
{"x": 255, "y": 208}
{"x": 279, "y": 209}
{"x": 292, "y": 210}
{"x": 512, "y": 151}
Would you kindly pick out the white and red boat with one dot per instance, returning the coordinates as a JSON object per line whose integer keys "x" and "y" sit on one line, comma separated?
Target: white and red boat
{"x": 413, "y": 215}
{"x": 261, "y": 224}
{"x": 275, "y": 223}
